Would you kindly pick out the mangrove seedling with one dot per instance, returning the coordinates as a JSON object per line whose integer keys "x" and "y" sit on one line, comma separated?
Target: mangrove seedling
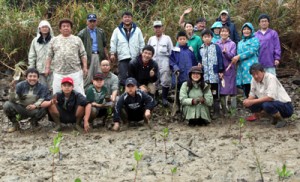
{"x": 138, "y": 157}
{"x": 258, "y": 164}
{"x": 283, "y": 173}
{"x": 54, "y": 149}
{"x": 173, "y": 171}
{"x": 165, "y": 136}
{"x": 242, "y": 122}
{"x": 77, "y": 180}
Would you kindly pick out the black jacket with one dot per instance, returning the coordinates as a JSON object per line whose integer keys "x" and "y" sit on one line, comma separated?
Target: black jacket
{"x": 141, "y": 72}
{"x": 134, "y": 106}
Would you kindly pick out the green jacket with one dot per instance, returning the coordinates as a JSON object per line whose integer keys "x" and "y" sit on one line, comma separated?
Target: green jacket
{"x": 85, "y": 36}
{"x": 195, "y": 111}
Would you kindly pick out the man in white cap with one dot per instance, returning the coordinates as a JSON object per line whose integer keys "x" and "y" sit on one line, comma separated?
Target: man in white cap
{"x": 94, "y": 41}
{"x": 225, "y": 19}
{"x": 163, "y": 46}
{"x": 38, "y": 52}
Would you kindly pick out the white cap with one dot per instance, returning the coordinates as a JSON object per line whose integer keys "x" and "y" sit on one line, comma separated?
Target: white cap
{"x": 157, "y": 23}
{"x": 44, "y": 23}
{"x": 224, "y": 11}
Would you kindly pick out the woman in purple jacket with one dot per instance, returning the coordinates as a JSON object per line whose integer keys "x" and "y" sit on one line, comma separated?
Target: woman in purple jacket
{"x": 228, "y": 81}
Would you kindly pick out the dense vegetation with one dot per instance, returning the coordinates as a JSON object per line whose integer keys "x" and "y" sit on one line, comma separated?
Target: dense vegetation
{"x": 19, "y": 19}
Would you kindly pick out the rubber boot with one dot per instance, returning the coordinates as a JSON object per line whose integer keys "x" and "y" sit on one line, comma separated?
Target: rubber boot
{"x": 56, "y": 119}
{"x": 233, "y": 102}
{"x": 216, "y": 107}
{"x": 224, "y": 106}
{"x": 165, "y": 91}
{"x": 78, "y": 125}
{"x": 278, "y": 120}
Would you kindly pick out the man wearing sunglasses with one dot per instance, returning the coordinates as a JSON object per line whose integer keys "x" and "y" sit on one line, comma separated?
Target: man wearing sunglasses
{"x": 94, "y": 40}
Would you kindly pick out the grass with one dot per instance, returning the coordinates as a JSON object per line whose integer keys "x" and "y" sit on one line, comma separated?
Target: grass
{"x": 20, "y": 19}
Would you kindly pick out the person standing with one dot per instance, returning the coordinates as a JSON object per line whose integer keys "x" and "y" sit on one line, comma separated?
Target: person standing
{"x": 38, "y": 52}
{"x": 94, "y": 41}
{"x": 126, "y": 43}
{"x": 66, "y": 54}
{"x": 163, "y": 46}
{"x": 228, "y": 81}
{"x": 225, "y": 19}
{"x": 247, "y": 54}
{"x": 269, "y": 51}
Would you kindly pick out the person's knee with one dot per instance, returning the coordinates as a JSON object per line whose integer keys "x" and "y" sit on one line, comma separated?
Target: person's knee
{"x": 269, "y": 108}
{"x": 7, "y": 105}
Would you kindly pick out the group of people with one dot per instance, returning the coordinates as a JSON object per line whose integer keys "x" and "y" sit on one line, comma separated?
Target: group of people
{"x": 69, "y": 76}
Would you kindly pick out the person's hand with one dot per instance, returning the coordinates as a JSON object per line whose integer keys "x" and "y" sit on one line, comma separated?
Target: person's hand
{"x": 147, "y": 114}
{"x": 31, "y": 107}
{"x": 221, "y": 75}
{"x": 177, "y": 73}
{"x": 86, "y": 126}
{"x": 54, "y": 99}
{"x": 276, "y": 62}
{"x": 112, "y": 58}
{"x": 116, "y": 126}
{"x": 248, "y": 102}
{"x": 202, "y": 100}
{"x": 143, "y": 88}
{"x": 235, "y": 59}
{"x": 199, "y": 65}
{"x": 47, "y": 71}
{"x": 195, "y": 101}
{"x": 152, "y": 72}
{"x": 187, "y": 11}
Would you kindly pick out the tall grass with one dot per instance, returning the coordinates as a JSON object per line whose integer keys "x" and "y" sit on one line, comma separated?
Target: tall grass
{"x": 19, "y": 23}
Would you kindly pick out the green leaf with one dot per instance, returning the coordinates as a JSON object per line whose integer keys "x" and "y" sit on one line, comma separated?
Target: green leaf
{"x": 138, "y": 155}
{"x": 165, "y": 132}
{"x": 174, "y": 170}
{"x": 77, "y": 180}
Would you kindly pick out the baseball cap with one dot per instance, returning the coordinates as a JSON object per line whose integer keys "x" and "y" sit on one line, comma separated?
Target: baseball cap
{"x": 98, "y": 76}
{"x": 91, "y": 17}
{"x": 224, "y": 11}
{"x": 130, "y": 81}
{"x": 157, "y": 23}
{"x": 67, "y": 80}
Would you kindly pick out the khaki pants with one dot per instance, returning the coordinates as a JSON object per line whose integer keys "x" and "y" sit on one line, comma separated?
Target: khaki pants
{"x": 150, "y": 87}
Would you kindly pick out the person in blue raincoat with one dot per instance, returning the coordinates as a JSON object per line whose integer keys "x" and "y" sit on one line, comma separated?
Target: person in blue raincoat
{"x": 216, "y": 28}
{"x": 247, "y": 55}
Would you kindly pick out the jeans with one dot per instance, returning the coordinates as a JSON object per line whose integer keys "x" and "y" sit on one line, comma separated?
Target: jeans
{"x": 285, "y": 109}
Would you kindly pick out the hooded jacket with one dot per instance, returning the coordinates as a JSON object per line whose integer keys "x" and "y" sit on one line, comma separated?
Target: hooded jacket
{"x": 127, "y": 48}
{"x": 248, "y": 50}
{"x": 182, "y": 59}
{"x": 270, "y": 49}
{"x": 39, "y": 48}
{"x": 186, "y": 97}
{"x": 234, "y": 36}
{"x": 216, "y": 37}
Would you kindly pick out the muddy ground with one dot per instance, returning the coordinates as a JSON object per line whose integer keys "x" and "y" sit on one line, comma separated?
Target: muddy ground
{"x": 216, "y": 154}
